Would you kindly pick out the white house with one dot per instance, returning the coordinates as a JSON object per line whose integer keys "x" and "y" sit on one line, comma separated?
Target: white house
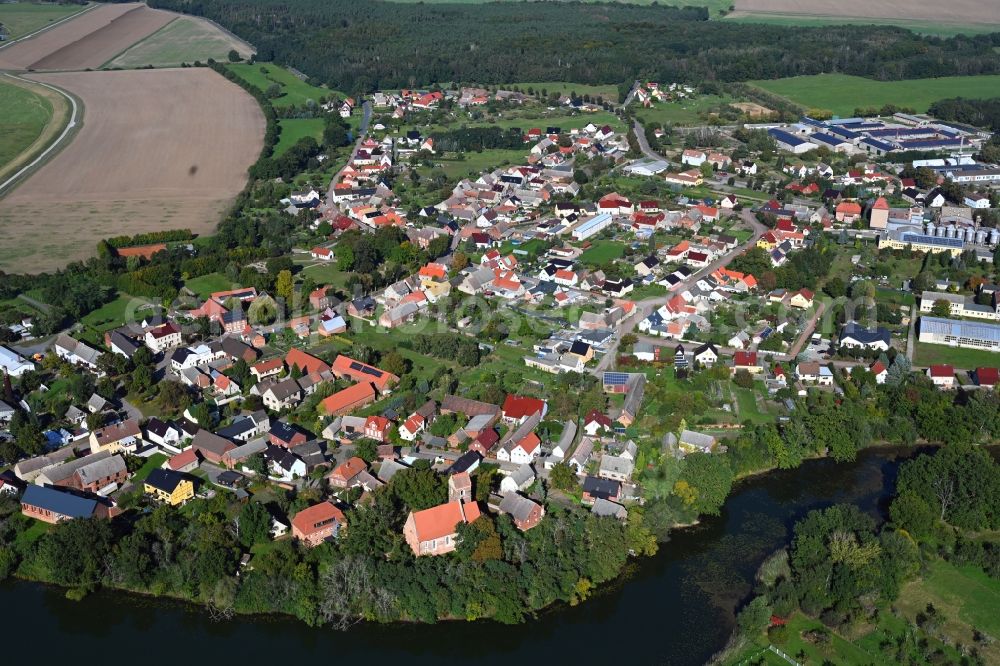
{"x": 522, "y": 452}
{"x": 520, "y": 479}
{"x": 706, "y": 355}
{"x": 412, "y": 427}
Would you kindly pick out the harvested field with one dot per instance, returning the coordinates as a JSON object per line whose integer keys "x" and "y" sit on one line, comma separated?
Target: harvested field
{"x": 159, "y": 149}
{"x": 183, "y": 40}
{"x": 955, "y": 12}
{"x": 105, "y": 43}
{"x": 21, "y": 55}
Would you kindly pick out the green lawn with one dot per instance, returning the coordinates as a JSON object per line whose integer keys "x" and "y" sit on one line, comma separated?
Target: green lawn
{"x": 294, "y": 91}
{"x": 21, "y": 18}
{"x": 154, "y": 461}
{"x": 207, "y": 284}
{"x": 938, "y": 29}
{"x": 841, "y": 94}
{"x": 965, "y": 597}
{"x": 685, "y": 112}
{"x": 293, "y": 129}
{"x": 30, "y": 535}
{"x": 25, "y": 115}
{"x": 113, "y": 314}
{"x": 838, "y": 650}
{"x": 327, "y": 273}
{"x": 474, "y": 163}
{"x": 183, "y": 40}
{"x": 746, "y": 399}
{"x": 967, "y": 359}
{"x": 602, "y": 252}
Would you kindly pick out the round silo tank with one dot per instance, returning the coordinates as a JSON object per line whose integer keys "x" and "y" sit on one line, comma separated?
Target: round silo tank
{"x": 941, "y": 231}
{"x": 931, "y": 228}
{"x": 981, "y": 237}
{"x": 994, "y": 236}
{"x": 970, "y": 234}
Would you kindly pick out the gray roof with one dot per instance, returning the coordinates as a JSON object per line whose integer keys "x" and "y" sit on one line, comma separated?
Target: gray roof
{"x": 77, "y": 348}
{"x": 388, "y": 469}
{"x": 518, "y": 506}
{"x": 243, "y": 452}
{"x": 568, "y": 435}
{"x": 603, "y": 507}
{"x": 59, "y": 471}
{"x": 523, "y": 475}
{"x": 209, "y": 441}
{"x": 617, "y": 465}
{"x": 583, "y": 451}
{"x": 697, "y": 439}
{"x": 101, "y": 469}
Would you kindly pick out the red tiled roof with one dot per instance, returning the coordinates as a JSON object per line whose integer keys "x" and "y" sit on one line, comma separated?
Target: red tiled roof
{"x": 349, "y": 396}
{"x": 442, "y": 520}
{"x": 316, "y": 518}
{"x": 987, "y": 376}
{"x": 942, "y": 371}
{"x": 519, "y": 406}
{"x": 183, "y": 459}
{"x": 305, "y": 362}
{"x": 743, "y": 358}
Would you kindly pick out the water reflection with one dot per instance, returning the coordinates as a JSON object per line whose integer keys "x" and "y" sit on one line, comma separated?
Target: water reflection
{"x": 676, "y": 608}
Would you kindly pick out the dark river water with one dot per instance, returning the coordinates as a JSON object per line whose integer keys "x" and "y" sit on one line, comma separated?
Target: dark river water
{"x": 675, "y": 608}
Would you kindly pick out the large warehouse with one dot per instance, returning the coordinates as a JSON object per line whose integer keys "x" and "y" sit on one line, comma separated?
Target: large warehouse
{"x": 959, "y": 333}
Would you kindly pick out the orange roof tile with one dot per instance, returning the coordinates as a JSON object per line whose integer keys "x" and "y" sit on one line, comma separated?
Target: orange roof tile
{"x": 442, "y": 520}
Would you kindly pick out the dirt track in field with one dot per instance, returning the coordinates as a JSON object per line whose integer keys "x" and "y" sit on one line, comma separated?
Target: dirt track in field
{"x": 105, "y": 43}
{"x": 957, "y": 12}
{"x": 159, "y": 149}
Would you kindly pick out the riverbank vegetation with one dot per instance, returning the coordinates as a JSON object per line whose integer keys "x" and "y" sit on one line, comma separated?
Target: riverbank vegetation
{"x": 904, "y": 411}
{"x": 195, "y": 554}
{"x": 921, "y": 588}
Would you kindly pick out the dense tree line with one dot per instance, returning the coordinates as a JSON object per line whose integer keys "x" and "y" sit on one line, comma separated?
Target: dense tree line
{"x": 367, "y": 44}
{"x": 461, "y": 349}
{"x": 976, "y": 112}
{"x": 165, "y": 236}
{"x": 477, "y": 139}
{"x": 497, "y": 572}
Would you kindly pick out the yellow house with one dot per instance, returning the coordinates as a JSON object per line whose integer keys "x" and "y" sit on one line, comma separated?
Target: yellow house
{"x": 434, "y": 281}
{"x": 114, "y": 438}
{"x": 169, "y": 486}
{"x": 803, "y": 299}
{"x": 768, "y": 241}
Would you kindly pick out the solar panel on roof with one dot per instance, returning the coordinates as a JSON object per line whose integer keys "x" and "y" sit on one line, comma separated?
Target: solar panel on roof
{"x": 932, "y": 240}
{"x": 615, "y": 378}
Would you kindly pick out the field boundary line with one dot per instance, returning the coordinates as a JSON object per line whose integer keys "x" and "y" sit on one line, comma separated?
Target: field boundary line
{"x": 70, "y": 127}
{"x": 134, "y": 44}
{"x": 93, "y": 6}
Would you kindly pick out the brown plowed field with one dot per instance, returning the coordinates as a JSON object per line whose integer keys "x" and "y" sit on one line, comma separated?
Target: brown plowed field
{"x": 22, "y": 54}
{"x": 969, "y": 12}
{"x": 105, "y": 43}
{"x": 159, "y": 149}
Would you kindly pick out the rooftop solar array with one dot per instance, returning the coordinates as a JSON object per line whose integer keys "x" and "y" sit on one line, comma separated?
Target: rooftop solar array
{"x": 367, "y": 369}
{"x": 960, "y": 328}
{"x": 933, "y": 240}
{"x": 615, "y": 378}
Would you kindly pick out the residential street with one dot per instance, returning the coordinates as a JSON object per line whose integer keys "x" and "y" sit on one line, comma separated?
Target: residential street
{"x": 645, "y": 307}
